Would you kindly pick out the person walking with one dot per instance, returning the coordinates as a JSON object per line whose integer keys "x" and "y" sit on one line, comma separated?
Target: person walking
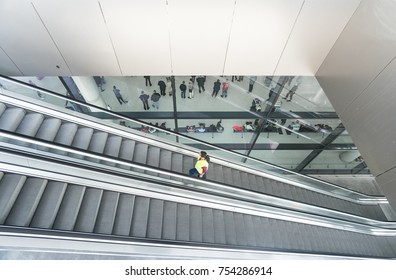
{"x": 201, "y": 83}
{"x": 144, "y": 97}
{"x": 190, "y": 89}
{"x": 216, "y": 88}
{"x": 201, "y": 166}
{"x": 183, "y": 89}
{"x": 226, "y": 85}
{"x": 118, "y": 95}
{"x": 148, "y": 81}
{"x": 155, "y": 97}
{"x": 162, "y": 87}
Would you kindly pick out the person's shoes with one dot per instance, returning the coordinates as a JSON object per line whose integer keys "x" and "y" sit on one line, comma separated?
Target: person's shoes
{"x": 288, "y": 100}
{"x": 283, "y": 97}
{"x": 189, "y": 98}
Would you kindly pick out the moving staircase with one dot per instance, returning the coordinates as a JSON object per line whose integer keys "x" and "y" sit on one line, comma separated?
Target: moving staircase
{"x": 34, "y": 200}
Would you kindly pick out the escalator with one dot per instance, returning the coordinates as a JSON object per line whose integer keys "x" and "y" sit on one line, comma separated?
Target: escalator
{"x": 110, "y": 207}
{"x": 138, "y": 192}
{"x": 83, "y": 132}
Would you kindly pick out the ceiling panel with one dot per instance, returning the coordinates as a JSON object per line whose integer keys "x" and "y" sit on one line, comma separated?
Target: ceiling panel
{"x": 26, "y": 41}
{"x": 139, "y": 30}
{"x": 7, "y": 67}
{"x": 316, "y": 30}
{"x": 80, "y": 33}
{"x": 199, "y": 35}
{"x": 259, "y": 33}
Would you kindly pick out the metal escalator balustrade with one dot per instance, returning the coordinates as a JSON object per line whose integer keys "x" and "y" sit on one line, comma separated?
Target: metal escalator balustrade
{"x": 73, "y": 133}
{"x": 84, "y": 159}
{"x": 111, "y": 207}
{"x": 80, "y": 137}
{"x": 27, "y": 91}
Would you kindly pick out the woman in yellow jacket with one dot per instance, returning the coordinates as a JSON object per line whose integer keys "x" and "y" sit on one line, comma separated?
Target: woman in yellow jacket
{"x": 201, "y": 167}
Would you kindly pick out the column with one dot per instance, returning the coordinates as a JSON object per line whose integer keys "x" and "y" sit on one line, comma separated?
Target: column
{"x": 89, "y": 90}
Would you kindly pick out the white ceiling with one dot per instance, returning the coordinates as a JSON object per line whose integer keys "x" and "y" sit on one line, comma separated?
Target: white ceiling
{"x": 168, "y": 37}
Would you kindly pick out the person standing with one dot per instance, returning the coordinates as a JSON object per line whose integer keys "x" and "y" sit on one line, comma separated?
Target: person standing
{"x": 252, "y": 80}
{"x": 144, "y": 97}
{"x": 155, "y": 97}
{"x": 226, "y": 85}
{"x": 162, "y": 87}
{"x": 216, "y": 88}
{"x": 201, "y": 166}
{"x": 183, "y": 89}
{"x": 190, "y": 89}
{"x": 201, "y": 83}
{"x": 118, "y": 95}
{"x": 148, "y": 81}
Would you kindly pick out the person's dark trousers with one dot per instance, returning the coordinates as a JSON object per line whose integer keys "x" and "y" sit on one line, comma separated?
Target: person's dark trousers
{"x": 162, "y": 91}
{"x": 194, "y": 172}
{"x": 145, "y": 105}
{"x": 120, "y": 99}
{"x": 250, "y": 88}
{"x": 201, "y": 86}
{"x": 215, "y": 92}
{"x": 183, "y": 94}
{"x": 148, "y": 81}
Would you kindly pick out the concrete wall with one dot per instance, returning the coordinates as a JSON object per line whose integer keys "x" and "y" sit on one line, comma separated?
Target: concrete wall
{"x": 359, "y": 78}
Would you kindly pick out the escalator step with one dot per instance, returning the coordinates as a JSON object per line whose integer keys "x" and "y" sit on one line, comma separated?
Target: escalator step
{"x": 169, "y": 221}
{"x": 249, "y": 228}
{"x": 25, "y": 205}
{"x": 230, "y": 232}
{"x": 123, "y": 218}
{"x": 208, "y": 233}
{"x": 195, "y": 223}
{"x": 219, "y": 226}
{"x": 127, "y": 149}
{"x": 11, "y": 118}
{"x": 228, "y": 176}
{"x": 107, "y": 212}
{"x": 153, "y": 158}
{"x": 89, "y": 209}
{"x": 240, "y": 230}
{"x": 183, "y": 222}
{"x": 165, "y": 161}
{"x": 49, "y": 204}
{"x": 140, "y": 155}
{"x": 236, "y": 177}
{"x": 70, "y": 206}
{"x": 49, "y": 129}
{"x": 10, "y": 186}
{"x": 155, "y": 219}
{"x": 140, "y": 217}
{"x": 66, "y": 134}
{"x": 30, "y": 124}
{"x": 112, "y": 149}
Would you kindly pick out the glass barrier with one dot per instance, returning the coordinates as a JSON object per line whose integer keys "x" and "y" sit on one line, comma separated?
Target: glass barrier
{"x": 237, "y": 146}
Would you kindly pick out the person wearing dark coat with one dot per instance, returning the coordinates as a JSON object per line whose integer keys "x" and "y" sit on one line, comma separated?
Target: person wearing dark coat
{"x": 144, "y": 97}
{"x": 162, "y": 87}
{"x": 216, "y": 88}
{"x": 183, "y": 89}
{"x": 155, "y": 97}
{"x": 201, "y": 83}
